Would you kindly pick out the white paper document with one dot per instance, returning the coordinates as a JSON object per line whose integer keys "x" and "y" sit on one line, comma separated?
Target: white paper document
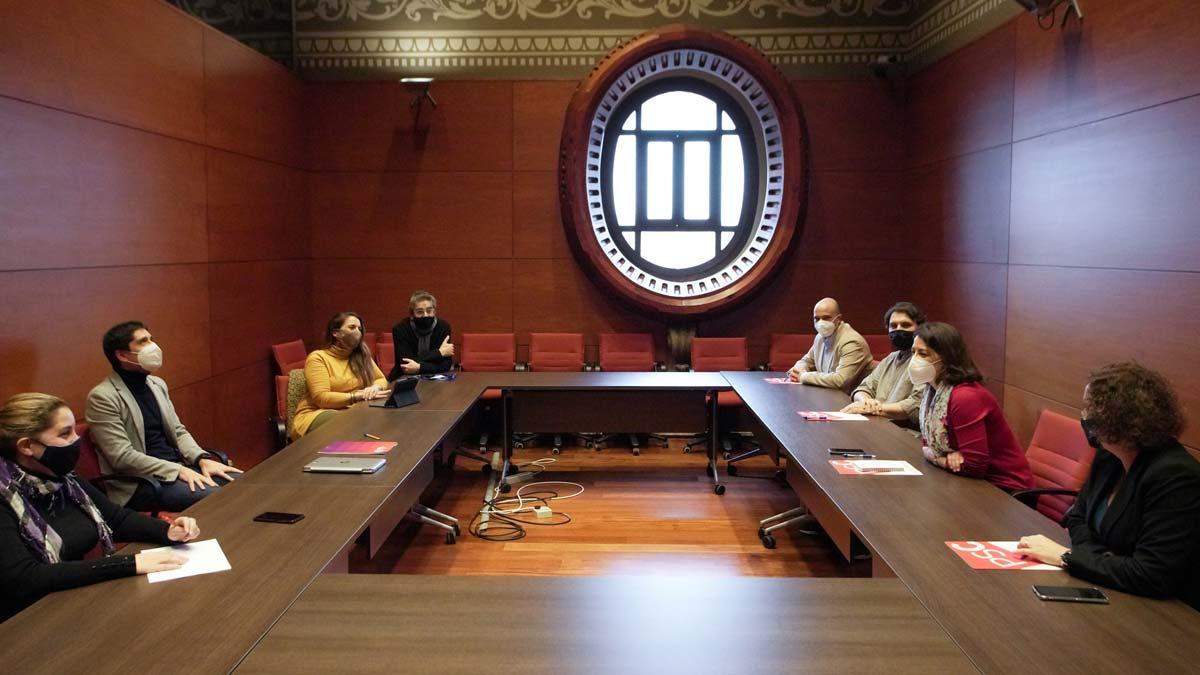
{"x": 203, "y": 557}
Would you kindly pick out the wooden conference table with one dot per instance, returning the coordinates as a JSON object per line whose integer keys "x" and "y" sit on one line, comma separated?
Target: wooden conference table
{"x": 212, "y": 623}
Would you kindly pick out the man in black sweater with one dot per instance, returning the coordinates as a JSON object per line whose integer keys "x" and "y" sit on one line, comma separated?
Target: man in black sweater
{"x": 422, "y": 341}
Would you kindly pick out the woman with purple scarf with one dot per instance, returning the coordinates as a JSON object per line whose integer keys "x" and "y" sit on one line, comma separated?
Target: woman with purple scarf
{"x": 49, "y": 519}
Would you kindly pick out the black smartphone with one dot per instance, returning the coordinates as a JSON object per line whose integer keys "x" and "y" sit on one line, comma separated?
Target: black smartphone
{"x": 847, "y": 451}
{"x": 1071, "y": 594}
{"x": 279, "y": 517}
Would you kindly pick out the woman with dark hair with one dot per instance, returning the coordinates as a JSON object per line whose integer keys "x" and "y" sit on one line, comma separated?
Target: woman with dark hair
{"x": 963, "y": 429}
{"x": 49, "y": 519}
{"x": 1135, "y": 526}
{"x": 338, "y": 376}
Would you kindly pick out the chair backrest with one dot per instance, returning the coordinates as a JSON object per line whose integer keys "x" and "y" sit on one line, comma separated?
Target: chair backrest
{"x": 1060, "y": 457}
{"x": 628, "y": 352}
{"x": 385, "y": 353}
{"x": 297, "y": 388}
{"x": 556, "y": 351}
{"x": 880, "y": 346}
{"x": 88, "y": 467}
{"x": 786, "y": 349}
{"x": 713, "y": 354}
{"x": 289, "y": 355}
{"x": 281, "y": 393}
{"x": 488, "y": 351}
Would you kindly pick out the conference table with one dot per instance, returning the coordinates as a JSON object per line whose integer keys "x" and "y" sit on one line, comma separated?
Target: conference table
{"x": 276, "y": 611}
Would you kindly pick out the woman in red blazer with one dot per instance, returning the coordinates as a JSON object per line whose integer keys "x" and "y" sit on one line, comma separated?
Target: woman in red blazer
{"x": 963, "y": 429}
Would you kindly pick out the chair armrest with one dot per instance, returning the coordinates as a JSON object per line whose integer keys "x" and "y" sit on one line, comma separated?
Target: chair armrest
{"x": 1030, "y": 497}
{"x": 221, "y": 456}
{"x": 279, "y": 425}
{"x": 99, "y": 481}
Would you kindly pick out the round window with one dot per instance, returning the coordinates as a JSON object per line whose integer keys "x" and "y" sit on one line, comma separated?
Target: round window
{"x": 681, "y": 176}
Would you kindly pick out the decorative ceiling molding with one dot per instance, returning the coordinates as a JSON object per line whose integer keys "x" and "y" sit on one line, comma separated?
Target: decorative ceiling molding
{"x": 563, "y": 39}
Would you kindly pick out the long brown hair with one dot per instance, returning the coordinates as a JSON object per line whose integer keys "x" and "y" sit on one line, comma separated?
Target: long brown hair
{"x": 957, "y": 366}
{"x": 360, "y": 357}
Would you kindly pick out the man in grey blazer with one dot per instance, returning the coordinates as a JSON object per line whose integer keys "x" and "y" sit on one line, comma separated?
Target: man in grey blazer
{"x": 137, "y": 432}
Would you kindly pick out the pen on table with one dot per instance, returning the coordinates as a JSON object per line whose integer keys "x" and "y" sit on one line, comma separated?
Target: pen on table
{"x": 373, "y": 437}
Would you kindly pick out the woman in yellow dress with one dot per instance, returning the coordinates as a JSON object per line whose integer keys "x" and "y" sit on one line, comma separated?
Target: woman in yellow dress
{"x": 338, "y": 376}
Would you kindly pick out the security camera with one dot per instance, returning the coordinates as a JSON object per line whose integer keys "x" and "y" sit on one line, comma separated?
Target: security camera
{"x": 883, "y": 64}
{"x": 1044, "y": 8}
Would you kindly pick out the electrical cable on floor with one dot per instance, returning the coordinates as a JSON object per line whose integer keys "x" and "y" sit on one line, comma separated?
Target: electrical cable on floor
{"x": 503, "y": 523}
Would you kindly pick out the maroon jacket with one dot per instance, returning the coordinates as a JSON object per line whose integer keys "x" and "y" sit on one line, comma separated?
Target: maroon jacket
{"x": 976, "y": 427}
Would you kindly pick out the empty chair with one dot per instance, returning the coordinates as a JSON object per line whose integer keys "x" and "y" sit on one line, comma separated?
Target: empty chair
{"x": 786, "y": 349}
{"x": 486, "y": 352}
{"x": 714, "y": 355}
{"x": 880, "y": 347}
{"x": 1060, "y": 458}
{"x": 552, "y": 352}
{"x": 627, "y": 353}
{"x": 384, "y": 351}
{"x": 289, "y": 356}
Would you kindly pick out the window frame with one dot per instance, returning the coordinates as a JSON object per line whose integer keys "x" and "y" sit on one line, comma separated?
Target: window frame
{"x": 766, "y": 98}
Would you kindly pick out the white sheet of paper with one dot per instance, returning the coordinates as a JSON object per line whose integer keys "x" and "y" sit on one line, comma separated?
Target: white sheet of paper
{"x": 203, "y": 557}
{"x": 830, "y": 416}
{"x": 886, "y": 467}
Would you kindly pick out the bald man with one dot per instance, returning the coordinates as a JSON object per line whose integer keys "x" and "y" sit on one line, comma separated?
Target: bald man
{"x": 839, "y": 357}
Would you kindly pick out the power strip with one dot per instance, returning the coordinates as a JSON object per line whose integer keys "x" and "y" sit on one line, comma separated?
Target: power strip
{"x": 543, "y": 511}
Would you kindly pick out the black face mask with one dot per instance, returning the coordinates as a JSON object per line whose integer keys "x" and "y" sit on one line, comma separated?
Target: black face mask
{"x": 1089, "y": 432}
{"x": 901, "y": 339}
{"x": 423, "y": 323}
{"x": 61, "y": 459}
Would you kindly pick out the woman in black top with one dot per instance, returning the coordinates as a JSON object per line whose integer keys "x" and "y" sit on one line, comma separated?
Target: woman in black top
{"x": 422, "y": 341}
{"x": 1135, "y": 526}
{"x": 49, "y": 519}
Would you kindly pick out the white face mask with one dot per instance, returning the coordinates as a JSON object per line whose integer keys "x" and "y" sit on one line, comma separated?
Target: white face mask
{"x": 921, "y": 371}
{"x": 150, "y": 358}
{"x": 825, "y": 327}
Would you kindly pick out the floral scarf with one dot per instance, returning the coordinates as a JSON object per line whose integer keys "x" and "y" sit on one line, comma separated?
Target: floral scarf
{"x": 934, "y": 407}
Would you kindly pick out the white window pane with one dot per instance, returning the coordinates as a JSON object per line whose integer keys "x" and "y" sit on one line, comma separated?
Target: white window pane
{"x": 733, "y": 178}
{"x": 679, "y": 110}
{"x": 726, "y": 237}
{"x": 631, "y": 122}
{"x": 695, "y": 180}
{"x": 624, "y": 180}
{"x": 660, "y": 168}
{"x": 629, "y": 238}
{"x": 678, "y": 250}
{"x": 727, "y": 122}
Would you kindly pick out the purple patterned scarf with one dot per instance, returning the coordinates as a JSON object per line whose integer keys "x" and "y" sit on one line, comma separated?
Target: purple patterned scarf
{"x": 19, "y": 489}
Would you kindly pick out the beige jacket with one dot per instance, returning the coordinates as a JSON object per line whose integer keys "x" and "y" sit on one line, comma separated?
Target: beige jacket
{"x": 847, "y": 358}
{"x": 119, "y": 433}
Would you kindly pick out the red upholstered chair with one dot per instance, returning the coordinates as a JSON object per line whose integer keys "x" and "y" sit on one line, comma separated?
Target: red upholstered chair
{"x": 289, "y": 356}
{"x": 385, "y": 353}
{"x": 88, "y": 468}
{"x": 880, "y": 346}
{"x": 786, "y": 349}
{"x": 627, "y": 353}
{"x": 716, "y": 354}
{"x": 486, "y": 352}
{"x": 552, "y": 352}
{"x": 1060, "y": 457}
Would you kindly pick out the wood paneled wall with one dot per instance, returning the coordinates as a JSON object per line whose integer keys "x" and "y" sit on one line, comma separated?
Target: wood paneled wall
{"x": 1058, "y": 173}
{"x": 157, "y": 178}
{"x": 466, "y": 205}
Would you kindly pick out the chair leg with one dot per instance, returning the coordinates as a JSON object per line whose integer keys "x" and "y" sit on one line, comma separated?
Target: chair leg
{"x": 782, "y": 520}
{"x": 428, "y": 516}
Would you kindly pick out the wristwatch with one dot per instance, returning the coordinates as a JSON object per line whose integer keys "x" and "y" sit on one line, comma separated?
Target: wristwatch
{"x": 1065, "y": 559}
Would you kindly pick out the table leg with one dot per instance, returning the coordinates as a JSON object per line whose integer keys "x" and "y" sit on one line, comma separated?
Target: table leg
{"x": 507, "y": 432}
{"x": 713, "y": 441}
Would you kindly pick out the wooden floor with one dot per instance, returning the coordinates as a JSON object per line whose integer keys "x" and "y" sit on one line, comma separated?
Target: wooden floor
{"x": 651, "y": 514}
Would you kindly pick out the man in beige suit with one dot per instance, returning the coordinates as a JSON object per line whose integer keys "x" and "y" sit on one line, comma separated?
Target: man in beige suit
{"x": 137, "y": 432}
{"x": 839, "y": 357}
